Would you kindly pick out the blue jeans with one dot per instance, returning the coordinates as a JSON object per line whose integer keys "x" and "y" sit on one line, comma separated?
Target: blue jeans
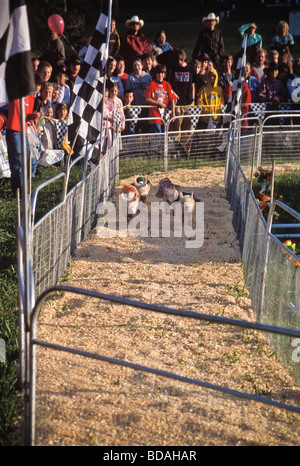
{"x": 156, "y": 128}
{"x": 14, "y": 152}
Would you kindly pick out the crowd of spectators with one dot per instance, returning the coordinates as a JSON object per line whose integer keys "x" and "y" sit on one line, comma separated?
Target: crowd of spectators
{"x": 154, "y": 76}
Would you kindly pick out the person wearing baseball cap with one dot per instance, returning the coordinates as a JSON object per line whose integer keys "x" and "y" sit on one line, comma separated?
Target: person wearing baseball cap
{"x": 210, "y": 40}
{"x": 133, "y": 43}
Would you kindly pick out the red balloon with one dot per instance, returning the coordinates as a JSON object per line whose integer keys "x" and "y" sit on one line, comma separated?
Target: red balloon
{"x": 56, "y": 24}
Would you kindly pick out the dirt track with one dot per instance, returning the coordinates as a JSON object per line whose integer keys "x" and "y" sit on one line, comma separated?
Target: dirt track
{"x": 86, "y": 402}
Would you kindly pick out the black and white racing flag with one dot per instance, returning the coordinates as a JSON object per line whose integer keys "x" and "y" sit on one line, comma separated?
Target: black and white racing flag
{"x": 86, "y": 111}
{"x": 235, "y": 97}
{"x": 16, "y": 73}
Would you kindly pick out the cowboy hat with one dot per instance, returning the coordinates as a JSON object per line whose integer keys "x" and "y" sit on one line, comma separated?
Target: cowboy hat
{"x": 210, "y": 17}
{"x": 134, "y": 19}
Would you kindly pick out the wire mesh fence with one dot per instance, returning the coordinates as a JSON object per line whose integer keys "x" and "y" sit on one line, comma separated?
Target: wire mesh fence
{"x": 57, "y": 234}
{"x": 272, "y": 277}
{"x": 54, "y": 242}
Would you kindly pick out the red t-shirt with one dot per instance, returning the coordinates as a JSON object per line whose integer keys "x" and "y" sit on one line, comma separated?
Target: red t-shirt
{"x": 161, "y": 92}
{"x": 13, "y": 119}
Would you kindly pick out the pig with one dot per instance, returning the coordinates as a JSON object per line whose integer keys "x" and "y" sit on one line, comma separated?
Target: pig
{"x": 168, "y": 191}
{"x": 130, "y": 197}
{"x": 143, "y": 187}
{"x": 187, "y": 201}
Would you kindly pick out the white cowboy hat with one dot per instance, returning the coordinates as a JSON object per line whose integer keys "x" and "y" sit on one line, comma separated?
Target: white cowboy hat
{"x": 211, "y": 17}
{"x": 134, "y": 19}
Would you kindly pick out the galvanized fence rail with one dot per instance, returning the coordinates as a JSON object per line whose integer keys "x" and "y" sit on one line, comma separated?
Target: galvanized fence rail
{"x": 99, "y": 185}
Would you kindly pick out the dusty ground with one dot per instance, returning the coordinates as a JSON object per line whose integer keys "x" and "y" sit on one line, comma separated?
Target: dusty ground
{"x": 81, "y": 401}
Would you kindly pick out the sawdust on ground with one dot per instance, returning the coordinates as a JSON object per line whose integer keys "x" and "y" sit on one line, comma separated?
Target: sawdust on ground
{"x": 83, "y": 401}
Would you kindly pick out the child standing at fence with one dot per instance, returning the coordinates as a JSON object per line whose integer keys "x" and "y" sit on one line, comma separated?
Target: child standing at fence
{"x": 129, "y": 112}
{"x": 115, "y": 106}
{"x": 159, "y": 95}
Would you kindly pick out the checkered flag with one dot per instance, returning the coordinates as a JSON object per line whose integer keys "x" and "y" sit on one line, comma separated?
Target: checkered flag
{"x": 86, "y": 112}
{"x": 258, "y": 109}
{"x": 235, "y": 98}
{"x": 61, "y": 129}
{"x": 16, "y": 74}
{"x": 195, "y": 115}
{"x": 132, "y": 113}
{"x": 165, "y": 113}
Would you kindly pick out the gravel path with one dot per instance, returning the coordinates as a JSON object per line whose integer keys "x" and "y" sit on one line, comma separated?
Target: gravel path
{"x": 81, "y": 401}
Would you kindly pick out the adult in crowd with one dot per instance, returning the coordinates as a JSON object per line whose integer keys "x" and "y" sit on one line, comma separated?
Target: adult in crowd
{"x": 259, "y": 65}
{"x": 251, "y": 81}
{"x": 149, "y": 63}
{"x": 133, "y": 43}
{"x": 138, "y": 81}
{"x": 55, "y": 54}
{"x": 160, "y": 44}
{"x": 272, "y": 89}
{"x": 112, "y": 76}
{"x": 114, "y": 40}
{"x": 252, "y": 36}
{"x": 273, "y": 57}
{"x": 283, "y": 39}
{"x": 120, "y": 70}
{"x": 210, "y": 40}
{"x": 73, "y": 72}
{"x": 14, "y": 137}
{"x": 182, "y": 80}
{"x": 83, "y": 50}
{"x": 226, "y": 75}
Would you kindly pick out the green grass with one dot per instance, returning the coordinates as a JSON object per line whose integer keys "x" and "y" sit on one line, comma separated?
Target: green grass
{"x": 10, "y": 394}
{"x": 287, "y": 185}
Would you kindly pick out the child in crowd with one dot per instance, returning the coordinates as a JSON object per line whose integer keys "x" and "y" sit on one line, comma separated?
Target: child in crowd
{"x": 44, "y": 71}
{"x": 115, "y": 105}
{"x": 64, "y": 90}
{"x": 159, "y": 95}
{"x": 120, "y": 70}
{"x": 43, "y": 102}
{"x": 62, "y": 112}
{"x": 128, "y": 112}
{"x": 149, "y": 63}
{"x": 55, "y": 95}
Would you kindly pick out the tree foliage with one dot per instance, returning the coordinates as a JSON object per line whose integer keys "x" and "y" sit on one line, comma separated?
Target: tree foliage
{"x": 80, "y": 18}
